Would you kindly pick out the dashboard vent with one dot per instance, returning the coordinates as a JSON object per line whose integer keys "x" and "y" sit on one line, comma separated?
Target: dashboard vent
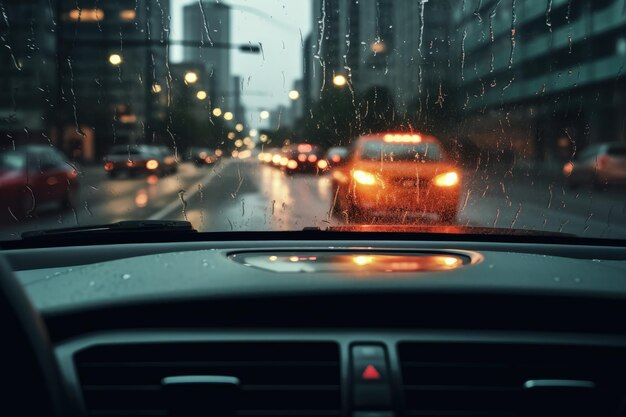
{"x": 480, "y": 380}
{"x": 277, "y": 379}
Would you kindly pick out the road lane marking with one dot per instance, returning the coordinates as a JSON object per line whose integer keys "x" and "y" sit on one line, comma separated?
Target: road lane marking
{"x": 177, "y": 204}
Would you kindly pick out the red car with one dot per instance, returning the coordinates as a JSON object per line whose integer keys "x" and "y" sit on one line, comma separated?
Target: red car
{"x": 33, "y": 176}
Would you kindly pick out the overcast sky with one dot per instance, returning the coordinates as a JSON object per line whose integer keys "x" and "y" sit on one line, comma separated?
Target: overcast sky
{"x": 278, "y": 31}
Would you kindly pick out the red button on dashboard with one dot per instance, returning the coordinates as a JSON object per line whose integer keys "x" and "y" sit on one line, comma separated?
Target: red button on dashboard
{"x": 370, "y": 373}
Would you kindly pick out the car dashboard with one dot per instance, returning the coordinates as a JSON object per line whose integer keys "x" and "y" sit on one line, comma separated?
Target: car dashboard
{"x": 331, "y": 329}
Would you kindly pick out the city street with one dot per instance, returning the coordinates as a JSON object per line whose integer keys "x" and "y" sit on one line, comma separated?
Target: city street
{"x": 246, "y": 195}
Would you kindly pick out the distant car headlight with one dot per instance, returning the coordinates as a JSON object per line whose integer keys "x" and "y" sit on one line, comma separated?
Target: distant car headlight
{"x": 363, "y": 177}
{"x": 152, "y": 164}
{"x": 448, "y": 179}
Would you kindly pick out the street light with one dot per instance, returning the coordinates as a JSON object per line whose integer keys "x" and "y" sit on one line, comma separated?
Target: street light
{"x": 191, "y": 77}
{"x": 115, "y": 59}
{"x": 239, "y": 127}
{"x": 231, "y": 135}
{"x": 156, "y": 88}
{"x": 217, "y": 112}
{"x": 228, "y": 116}
{"x": 339, "y": 80}
{"x": 201, "y": 95}
{"x": 264, "y": 115}
{"x": 264, "y": 138}
{"x": 294, "y": 95}
{"x": 253, "y": 132}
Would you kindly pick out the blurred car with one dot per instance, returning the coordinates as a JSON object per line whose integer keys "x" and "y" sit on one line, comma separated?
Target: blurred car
{"x": 402, "y": 174}
{"x": 302, "y": 157}
{"x": 135, "y": 159}
{"x": 169, "y": 160}
{"x": 202, "y": 156}
{"x": 34, "y": 175}
{"x": 598, "y": 165}
{"x": 335, "y": 156}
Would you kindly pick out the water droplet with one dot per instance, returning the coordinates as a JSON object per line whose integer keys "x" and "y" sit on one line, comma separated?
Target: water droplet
{"x": 491, "y": 266}
{"x": 557, "y": 279}
{"x": 596, "y": 260}
{"x": 126, "y": 276}
{"x": 92, "y": 283}
{"x": 56, "y": 274}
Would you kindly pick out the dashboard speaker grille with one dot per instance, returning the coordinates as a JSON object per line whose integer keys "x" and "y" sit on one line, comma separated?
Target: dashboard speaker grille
{"x": 483, "y": 379}
{"x": 277, "y": 379}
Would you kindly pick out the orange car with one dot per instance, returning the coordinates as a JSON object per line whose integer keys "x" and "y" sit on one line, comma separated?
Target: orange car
{"x": 402, "y": 174}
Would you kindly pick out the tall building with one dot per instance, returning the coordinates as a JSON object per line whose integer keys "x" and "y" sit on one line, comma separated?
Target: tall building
{"x": 554, "y": 75}
{"x": 27, "y": 70}
{"x": 209, "y": 22}
{"x": 326, "y": 45}
{"x": 112, "y": 72}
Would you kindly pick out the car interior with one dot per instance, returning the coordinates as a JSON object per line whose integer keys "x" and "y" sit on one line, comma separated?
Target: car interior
{"x": 313, "y": 323}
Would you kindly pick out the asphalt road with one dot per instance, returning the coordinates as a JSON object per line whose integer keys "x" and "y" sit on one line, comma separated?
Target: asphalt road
{"x": 245, "y": 195}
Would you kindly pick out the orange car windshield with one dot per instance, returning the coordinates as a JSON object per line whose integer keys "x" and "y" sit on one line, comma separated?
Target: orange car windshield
{"x": 389, "y": 152}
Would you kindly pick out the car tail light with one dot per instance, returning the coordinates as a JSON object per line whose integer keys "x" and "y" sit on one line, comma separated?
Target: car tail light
{"x": 302, "y": 157}
{"x": 152, "y": 164}
{"x": 602, "y": 161}
{"x": 130, "y": 163}
{"x": 292, "y": 164}
{"x": 568, "y": 168}
{"x": 336, "y": 158}
{"x": 449, "y": 179}
{"x": 312, "y": 158}
{"x": 108, "y": 166}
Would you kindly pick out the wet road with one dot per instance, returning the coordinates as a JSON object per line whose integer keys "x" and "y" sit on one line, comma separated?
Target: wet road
{"x": 245, "y": 195}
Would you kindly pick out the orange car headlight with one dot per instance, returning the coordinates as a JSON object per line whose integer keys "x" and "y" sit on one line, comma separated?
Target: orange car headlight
{"x": 152, "y": 164}
{"x": 448, "y": 179}
{"x": 364, "y": 178}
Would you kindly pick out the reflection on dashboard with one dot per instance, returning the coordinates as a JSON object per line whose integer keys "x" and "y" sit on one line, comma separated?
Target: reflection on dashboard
{"x": 356, "y": 261}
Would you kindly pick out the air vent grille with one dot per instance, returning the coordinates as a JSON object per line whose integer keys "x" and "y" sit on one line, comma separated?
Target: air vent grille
{"x": 475, "y": 379}
{"x": 278, "y": 379}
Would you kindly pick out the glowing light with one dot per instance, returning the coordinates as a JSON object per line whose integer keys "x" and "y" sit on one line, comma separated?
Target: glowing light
{"x": 302, "y": 157}
{"x": 87, "y": 15}
{"x": 312, "y": 158}
{"x": 239, "y": 127}
{"x": 450, "y": 261}
{"x": 201, "y": 95}
{"x": 267, "y": 158}
{"x": 273, "y": 258}
{"x": 152, "y": 179}
{"x": 231, "y": 135}
{"x": 377, "y": 47}
{"x": 217, "y": 112}
{"x": 218, "y": 152}
{"x": 305, "y": 147}
{"x": 292, "y": 164}
{"x": 239, "y": 143}
{"x": 364, "y": 178}
{"x": 402, "y": 138}
{"x": 362, "y": 260}
{"x": 228, "y": 116}
{"x": 284, "y": 161}
{"x": 568, "y": 168}
{"x": 141, "y": 199}
{"x": 336, "y": 158}
{"x": 264, "y": 115}
{"x": 263, "y": 138}
{"x": 156, "y": 88}
{"x": 247, "y": 140}
{"x": 322, "y": 164}
{"x": 294, "y": 258}
{"x": 128, "y": 15}
{"x": 253, "y": 132}
{"x": 449, "y": 179}
{"x": 276, "y": 159}
{"x": 108, "y": 166}
{"x": 294, "y": 94}
{"x": 340, "y": 80}
{"x": 191, "y": 77}
{"x": 245, "y": 154}
{"x": 152, "y": 164}
{"x": 115, "y": 59}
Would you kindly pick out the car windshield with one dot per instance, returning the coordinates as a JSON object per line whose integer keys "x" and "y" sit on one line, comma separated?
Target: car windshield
{"x": 456, "y": 116}
{"x": 390, "y": 152}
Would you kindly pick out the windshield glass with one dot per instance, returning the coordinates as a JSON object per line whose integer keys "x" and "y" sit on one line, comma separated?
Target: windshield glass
{"x": 390, "y": 152}
{"x": 274, "y": 115}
